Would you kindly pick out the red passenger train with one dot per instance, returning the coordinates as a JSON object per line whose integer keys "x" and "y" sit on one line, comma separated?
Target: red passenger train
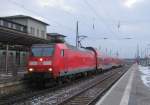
{"x": 61, "y": 60}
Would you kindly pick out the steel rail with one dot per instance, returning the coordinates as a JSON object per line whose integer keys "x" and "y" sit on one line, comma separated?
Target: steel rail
{"x": 82, "y": 98}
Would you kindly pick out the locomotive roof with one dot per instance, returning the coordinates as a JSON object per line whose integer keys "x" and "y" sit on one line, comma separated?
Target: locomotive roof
{"x": 68, "y": 45}
{"x": 35, "y": 45}
{"x": 75, "y": 48}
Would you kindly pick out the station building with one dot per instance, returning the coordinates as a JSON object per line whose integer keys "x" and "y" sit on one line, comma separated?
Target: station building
{"x": 34, "y": 27}
{"x": 17, "y": 34}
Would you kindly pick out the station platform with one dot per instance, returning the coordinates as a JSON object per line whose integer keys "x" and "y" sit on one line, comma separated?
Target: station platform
{"x": 8, "y": 77}
{"x": 8, "y": 80}
{"x": 133, "y": 88}
{"x": 9, "y": 83}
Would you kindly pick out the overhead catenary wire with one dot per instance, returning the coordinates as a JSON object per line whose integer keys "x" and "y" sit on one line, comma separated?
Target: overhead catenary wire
{"x": 98, "y": 16}
{"x": 62, "y": 25}
{"x": 35, "y": 13}
{"x": 107, "y": 13}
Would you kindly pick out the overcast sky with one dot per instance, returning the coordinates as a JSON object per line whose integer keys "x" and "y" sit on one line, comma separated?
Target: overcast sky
{"x": 112, "y": 19}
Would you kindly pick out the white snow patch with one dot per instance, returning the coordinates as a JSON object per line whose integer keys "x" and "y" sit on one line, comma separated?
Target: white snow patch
{"x": 145, "y": 77}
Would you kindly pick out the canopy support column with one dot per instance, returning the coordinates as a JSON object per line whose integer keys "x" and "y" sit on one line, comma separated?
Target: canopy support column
{"x": 6, "y": 66}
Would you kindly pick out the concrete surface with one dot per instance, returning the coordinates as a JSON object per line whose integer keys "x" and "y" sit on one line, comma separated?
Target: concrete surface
{"x": 132, "y": 89}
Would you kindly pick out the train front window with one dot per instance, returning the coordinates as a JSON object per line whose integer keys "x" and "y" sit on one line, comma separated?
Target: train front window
{"x": 42, "y": 51}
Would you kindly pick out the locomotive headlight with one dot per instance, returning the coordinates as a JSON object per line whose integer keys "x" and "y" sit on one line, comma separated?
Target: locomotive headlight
{"x": 31, "y": 69}
{"x": 50, "y": 69}
{"x": 41, "y": 59}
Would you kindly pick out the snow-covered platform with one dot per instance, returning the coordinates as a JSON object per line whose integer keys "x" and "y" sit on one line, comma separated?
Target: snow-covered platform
{"x": 133, "y": 88}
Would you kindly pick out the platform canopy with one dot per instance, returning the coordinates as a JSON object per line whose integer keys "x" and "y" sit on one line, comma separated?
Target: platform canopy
{"x": 10, "y": 36}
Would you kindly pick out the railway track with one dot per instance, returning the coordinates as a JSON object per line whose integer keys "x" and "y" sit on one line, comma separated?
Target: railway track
{"x": 58, "y": 94}
{"x": 92, "y": 93}
{"x": 26, "y": 94}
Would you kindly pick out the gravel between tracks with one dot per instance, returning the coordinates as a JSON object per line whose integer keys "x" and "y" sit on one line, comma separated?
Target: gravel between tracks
{"x": 59, "y": 95}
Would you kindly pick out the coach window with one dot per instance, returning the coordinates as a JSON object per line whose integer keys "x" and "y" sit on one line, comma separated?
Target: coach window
{"x": 62, "y": 53}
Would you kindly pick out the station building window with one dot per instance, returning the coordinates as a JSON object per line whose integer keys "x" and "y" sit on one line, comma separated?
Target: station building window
{"x": 18, "y": 27}
{"x": 14, "y": 26}
{"x": 37, "y": 32}
{"x": 42, "y": 34}
{"x": 33, "y": 31}
{"x": 21, "y": 28}
{"x": 9, "y": 25}
{"x": 1, "y": 22}
{"x": 5, "y": 24}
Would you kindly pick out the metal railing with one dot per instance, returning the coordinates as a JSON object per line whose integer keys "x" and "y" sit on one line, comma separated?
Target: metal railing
{"x": 12, "y": 25}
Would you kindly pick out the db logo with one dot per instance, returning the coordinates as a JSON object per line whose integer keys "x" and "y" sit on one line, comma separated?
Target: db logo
{"x": 40, "y": 63}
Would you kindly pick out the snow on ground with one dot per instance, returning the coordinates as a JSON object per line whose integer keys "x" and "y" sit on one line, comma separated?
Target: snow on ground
{"x": 145, "y": 76}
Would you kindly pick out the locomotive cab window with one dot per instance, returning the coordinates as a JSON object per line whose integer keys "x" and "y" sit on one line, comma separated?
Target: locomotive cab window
{"x": 42, "y": 51}
{"x": 62, "y": 53}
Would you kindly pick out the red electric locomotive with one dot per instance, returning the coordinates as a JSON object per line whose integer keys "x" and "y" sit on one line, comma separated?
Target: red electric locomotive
{"x": 60, "y": 59}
